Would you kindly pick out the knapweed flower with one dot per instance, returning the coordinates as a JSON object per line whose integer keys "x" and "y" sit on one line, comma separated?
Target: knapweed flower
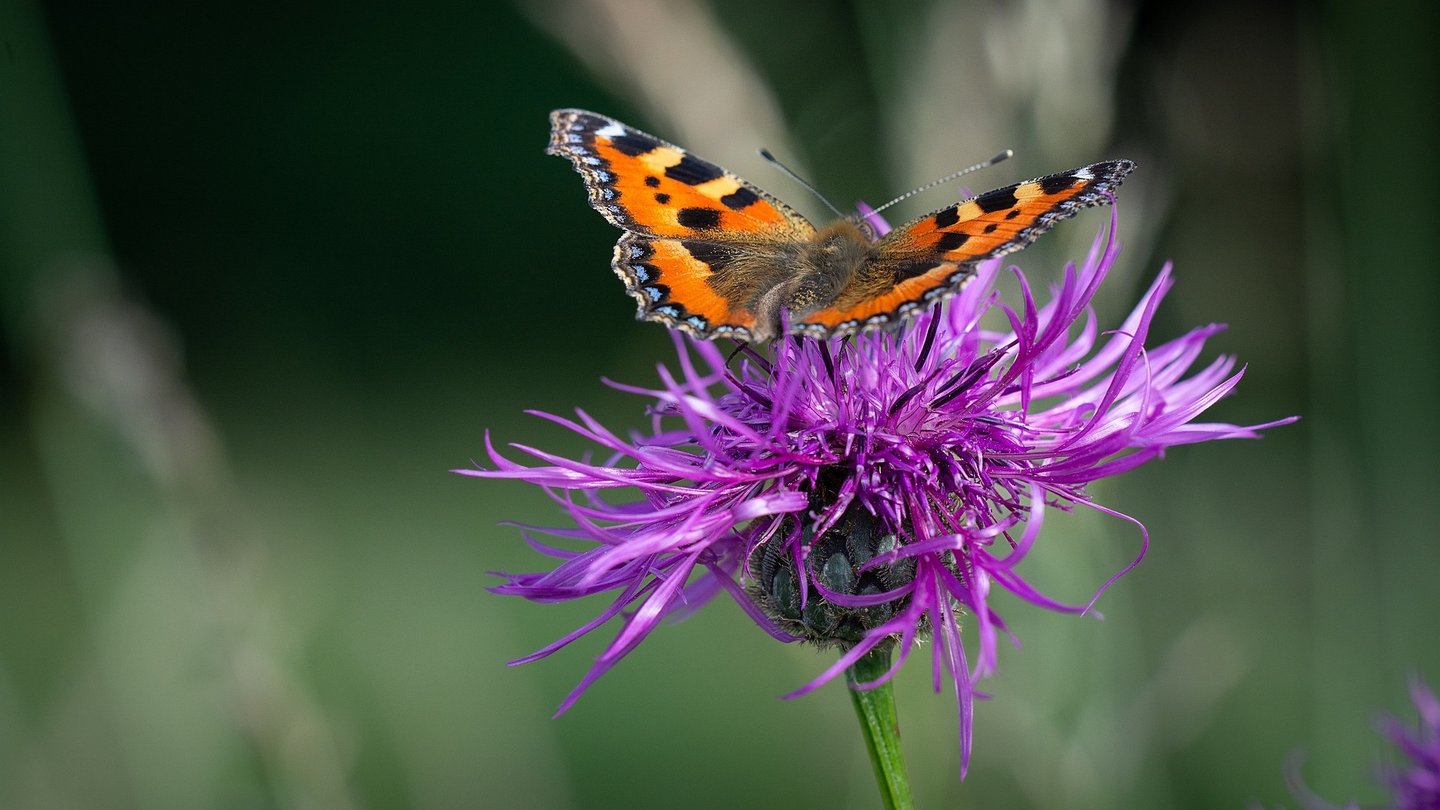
{"x": 1414, "y": 784}
{"x": 872, "y": 490}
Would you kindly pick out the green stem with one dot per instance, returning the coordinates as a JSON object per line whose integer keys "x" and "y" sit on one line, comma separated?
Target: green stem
{"x": 876, "y": 710}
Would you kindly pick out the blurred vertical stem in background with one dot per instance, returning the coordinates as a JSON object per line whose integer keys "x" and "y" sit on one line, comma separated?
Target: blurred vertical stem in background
{"x": 173, "y": 695}
{"x": 1374, "y": 345}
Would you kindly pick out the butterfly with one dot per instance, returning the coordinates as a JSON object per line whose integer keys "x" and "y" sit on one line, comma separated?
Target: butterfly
{"x": 707, "y": 253}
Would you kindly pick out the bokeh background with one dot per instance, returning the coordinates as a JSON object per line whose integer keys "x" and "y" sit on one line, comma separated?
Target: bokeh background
{"x": 269, "y": 270}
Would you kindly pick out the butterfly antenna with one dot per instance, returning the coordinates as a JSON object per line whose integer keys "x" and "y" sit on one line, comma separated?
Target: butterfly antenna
{"x": 765, "y": 153}
{"x": 1008, "y": 153}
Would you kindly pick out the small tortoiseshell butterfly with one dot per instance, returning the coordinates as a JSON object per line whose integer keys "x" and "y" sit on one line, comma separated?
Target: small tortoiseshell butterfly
{"x": 709, "y": 254}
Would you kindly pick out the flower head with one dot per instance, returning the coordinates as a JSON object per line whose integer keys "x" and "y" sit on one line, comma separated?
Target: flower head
{"x": 872, "y": 490}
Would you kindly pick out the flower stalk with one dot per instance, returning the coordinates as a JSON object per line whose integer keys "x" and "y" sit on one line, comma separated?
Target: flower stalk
{"x": 874, "y": 701}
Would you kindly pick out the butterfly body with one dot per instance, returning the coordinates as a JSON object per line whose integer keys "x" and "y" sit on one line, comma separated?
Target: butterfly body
{"x": 796, "y": 276}
{"x": 709, "y": 254}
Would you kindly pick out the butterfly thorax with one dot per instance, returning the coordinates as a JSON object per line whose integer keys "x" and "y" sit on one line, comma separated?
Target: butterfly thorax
{"x": 811, "y": 273}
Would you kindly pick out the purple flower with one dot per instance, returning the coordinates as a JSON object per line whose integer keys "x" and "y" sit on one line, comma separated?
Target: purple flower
{"x": 1416, "y": 787}
{"x": 872, "y": 490}
{"x": 1413, "y": 786}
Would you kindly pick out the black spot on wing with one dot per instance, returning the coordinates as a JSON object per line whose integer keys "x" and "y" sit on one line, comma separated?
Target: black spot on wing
{"x": 652, "y": 181}
{"x": 991, "y": 228}
{"x": 998, "y": 200}
{"x": 911, "y": 269}
{"x": 948, "y": 217}
{"x": 718, "y": 257}
{"x": 662, "y": 198}
{"x": 1056, "y": 183}
{"x": 1107, "y": 175}
{"x": 698, "y": 218}
{"x": 740, "y": 198}
{"x": 693, "y": 171}
{"x": 1113, "y": 169}
{"x": 633, "y": 143}
{"x": 951, "y": 241}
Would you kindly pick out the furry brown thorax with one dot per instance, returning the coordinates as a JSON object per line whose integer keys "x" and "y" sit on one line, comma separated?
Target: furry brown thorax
{"x": 811, "y": 274}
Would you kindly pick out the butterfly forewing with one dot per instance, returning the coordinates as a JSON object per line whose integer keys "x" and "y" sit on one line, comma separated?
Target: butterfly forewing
{"x": 1006, "y": 219}
{"x": 680, "y": 211}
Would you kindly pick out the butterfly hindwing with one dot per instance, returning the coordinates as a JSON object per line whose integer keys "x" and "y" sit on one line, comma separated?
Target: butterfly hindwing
{"x": 683, "y": 284}
{"x": 885, "y": 290}
{"x": 929, "y": 259}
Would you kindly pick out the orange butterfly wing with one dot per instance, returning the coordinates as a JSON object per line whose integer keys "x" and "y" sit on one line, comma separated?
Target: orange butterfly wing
{"x": 929, "y": 259}
{"x": 679, "y": 213}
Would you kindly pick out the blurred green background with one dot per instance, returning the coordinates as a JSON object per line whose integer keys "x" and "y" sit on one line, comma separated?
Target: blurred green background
{"x": 269, "y": 270}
